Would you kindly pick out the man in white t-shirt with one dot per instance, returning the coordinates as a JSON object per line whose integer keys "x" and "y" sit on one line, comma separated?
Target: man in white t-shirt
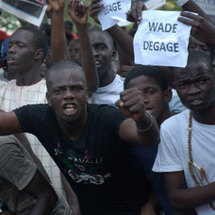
{"x": 187, "y": 149}
{"x": 110, "y": 83}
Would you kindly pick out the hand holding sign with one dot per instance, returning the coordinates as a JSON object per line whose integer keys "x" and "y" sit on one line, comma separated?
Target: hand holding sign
{"x": 137, "y": 6}
{"x": 113, "y": 12}
{"x": 95, "y": 9}
{"x": 202, "y": 29}
{"x": 135, "y": 13}
{"x": 161, "y": 40}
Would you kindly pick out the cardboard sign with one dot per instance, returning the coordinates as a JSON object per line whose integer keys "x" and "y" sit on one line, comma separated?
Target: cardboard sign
{"x": 31, "y": 11}
{"x": 208, "y": 6}
{"x": 114, "y": 11}
{"x": 161, "y": 40}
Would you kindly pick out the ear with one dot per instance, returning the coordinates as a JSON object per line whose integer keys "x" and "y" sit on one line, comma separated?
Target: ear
{"x": 114, "y": 53}
{"x": 167, "y": 95}
{"x": 48, "y": 98}
{"x": 38, "y": 54}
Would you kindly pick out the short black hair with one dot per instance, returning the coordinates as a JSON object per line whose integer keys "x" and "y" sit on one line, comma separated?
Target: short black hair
{"x": 149, "y": 71}
{"x": 195, "y": 57}
{"x": 200, "y": 56}
{"x": 97, "y": 29}
{"x": 64, "y": 65}
{"x": 40, "y": 40}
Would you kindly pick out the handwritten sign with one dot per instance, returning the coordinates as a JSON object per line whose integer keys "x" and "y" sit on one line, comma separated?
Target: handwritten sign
{"x": 161, "y": 40}
{"x": 31, "y": 11}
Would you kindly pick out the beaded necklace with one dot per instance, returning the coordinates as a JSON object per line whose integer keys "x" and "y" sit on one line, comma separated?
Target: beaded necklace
{"x": 191, "y": 163}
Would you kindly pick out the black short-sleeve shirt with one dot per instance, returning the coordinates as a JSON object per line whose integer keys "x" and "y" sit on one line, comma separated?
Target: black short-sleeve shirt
{"x": 99, "y": 166}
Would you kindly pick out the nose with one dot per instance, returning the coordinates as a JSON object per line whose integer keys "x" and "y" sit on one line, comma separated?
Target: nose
{"x": 68, "y": 94}
{"x": 145, "y": 99}
{"x": 193, "y": 89}
{"x": 95, "y": 53}
{"x": 11, "y": 48}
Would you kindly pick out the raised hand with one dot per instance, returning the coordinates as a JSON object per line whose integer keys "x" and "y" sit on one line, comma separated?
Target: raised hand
{"x": 55, "y": 5}
{"x": 135, "y": 13}
{"x": 95, "y": 8}
{"x": 78, "y": 12}
{"x": 202, "y": 29}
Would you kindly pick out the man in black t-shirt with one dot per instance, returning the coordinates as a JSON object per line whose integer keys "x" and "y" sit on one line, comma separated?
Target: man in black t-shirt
{"x": 89, "y": 142}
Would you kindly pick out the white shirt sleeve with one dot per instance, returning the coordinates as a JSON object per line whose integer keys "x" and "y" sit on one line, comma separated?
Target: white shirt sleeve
{"x": 167, "y": 159}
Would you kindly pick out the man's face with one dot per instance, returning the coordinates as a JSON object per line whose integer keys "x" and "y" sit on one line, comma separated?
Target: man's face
{"x": 195, "y": 86}
{"x": 103, "y": 53}
{"x": 21, "y": 53}
{"x": 155, "y": 100}
{"x": 75, "y": 51}
{"x": 67, "y": 95}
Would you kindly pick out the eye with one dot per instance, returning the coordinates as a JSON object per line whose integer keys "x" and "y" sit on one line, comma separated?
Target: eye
{"x": 9, "y": 45}
{"x": 76, "y": 88}
{"x": 21, "y": 45}
{"x": 202, "y": 80}
{"x": 150, "y": 91}
{"x": 101, "y": 47}
{"x": 57, "y": 91}
{"x": 182, "y": 85}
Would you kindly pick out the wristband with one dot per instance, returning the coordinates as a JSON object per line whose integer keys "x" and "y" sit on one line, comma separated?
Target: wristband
{"x": 150, "y": 125}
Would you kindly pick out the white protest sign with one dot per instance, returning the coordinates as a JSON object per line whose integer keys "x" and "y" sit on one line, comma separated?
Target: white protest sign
{"x": 208, "y": 6}
{"x": 113, "y": 8}
{"x": 31, "y": 11}
{"x": 114, "y": 11}
{"x": 161, "y": 40}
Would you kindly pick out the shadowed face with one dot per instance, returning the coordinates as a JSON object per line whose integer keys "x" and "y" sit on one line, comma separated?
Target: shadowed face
{"x": 103, "y": 52}
{"x": 67, "y": 94}
{"x": 195, "y": 85}
{"x": 155, "y": 100}
{"x": 21, "y": 52}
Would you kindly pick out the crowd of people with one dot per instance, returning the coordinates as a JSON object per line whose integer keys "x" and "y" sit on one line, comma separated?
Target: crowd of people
{"x": 86, "y": 131}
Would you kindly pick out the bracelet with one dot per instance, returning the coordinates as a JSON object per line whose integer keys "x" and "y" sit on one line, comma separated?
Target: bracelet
{"x": 180, "y": 3}
{"x": 151, "y": 123}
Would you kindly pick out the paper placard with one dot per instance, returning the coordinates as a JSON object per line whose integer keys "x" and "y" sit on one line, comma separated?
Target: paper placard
{"x": 113, "y": 8}
{"x": 161, "y": 40}
{"x": 114, "y": 11}
{"x": 31, "y": 11}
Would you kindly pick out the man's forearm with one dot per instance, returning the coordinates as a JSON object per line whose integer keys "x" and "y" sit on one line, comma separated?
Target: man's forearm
{"x": 87, "y": 59}
{"x": 123, "y": 39}
{"x": 58, "y": 37}
{"x": 147, "y": 130}
{"x": 188, "y": 198}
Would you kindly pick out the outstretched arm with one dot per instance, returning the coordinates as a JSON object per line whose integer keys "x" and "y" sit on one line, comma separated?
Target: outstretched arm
{"x": 58, "y": 37}
{"x": 141, "y": 127}
{"x": 9, "y": 123}
{"x": 78, "y": 12}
